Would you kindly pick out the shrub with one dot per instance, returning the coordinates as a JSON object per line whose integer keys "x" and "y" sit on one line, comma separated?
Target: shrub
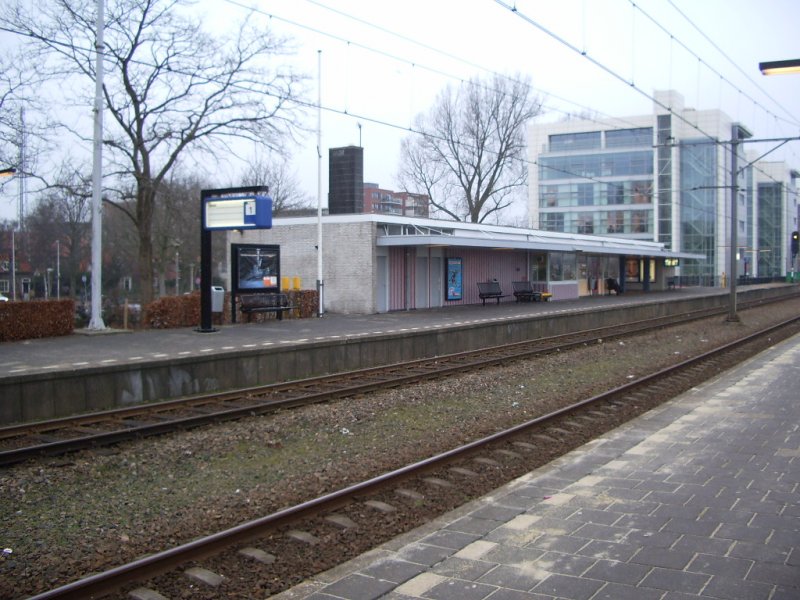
{"x": 36, "y": 319}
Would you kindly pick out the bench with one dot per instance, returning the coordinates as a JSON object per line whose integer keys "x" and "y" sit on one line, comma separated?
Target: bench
{"x": 612, "y": 285}
{"x": 489, "y": 290}
{"x": 523, "y": 292}
{"x": 277, "y": 303}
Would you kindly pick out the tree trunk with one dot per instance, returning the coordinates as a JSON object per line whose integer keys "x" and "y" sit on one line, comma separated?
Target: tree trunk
{"x": 144, "y": 220}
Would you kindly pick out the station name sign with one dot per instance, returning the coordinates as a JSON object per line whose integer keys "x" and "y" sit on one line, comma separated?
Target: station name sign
{"x": 238, "y": 212}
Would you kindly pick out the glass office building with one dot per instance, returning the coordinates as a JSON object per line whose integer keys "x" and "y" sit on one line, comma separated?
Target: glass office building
{"x": 663, "y": 177}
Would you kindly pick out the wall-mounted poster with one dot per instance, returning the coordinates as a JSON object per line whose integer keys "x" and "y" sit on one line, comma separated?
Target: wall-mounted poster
{"x": 454, "y": 284}
{"x": 255, "y": 268}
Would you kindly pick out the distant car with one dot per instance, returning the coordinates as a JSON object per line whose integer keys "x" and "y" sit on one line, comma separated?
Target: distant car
{"x": 3, "y": 298}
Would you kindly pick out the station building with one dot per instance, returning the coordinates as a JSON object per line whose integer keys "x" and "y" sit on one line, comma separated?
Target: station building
{"x": 375, "y": 263}
{"x": 665, "y": 177}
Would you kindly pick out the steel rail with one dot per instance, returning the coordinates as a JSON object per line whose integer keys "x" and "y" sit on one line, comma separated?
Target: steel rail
{"x": 108, "y": 581}
{"x": 306, "y": 391}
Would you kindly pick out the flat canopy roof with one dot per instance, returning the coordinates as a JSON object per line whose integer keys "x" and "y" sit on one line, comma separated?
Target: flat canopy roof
{"x": 410, "y": 231}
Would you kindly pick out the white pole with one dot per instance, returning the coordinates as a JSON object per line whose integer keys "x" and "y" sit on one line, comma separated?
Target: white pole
{"x": 320, "y": 281}
{"x": 58, "y": 269}
{"x": 96, "y": 320}
{"x": 13, "y": 264}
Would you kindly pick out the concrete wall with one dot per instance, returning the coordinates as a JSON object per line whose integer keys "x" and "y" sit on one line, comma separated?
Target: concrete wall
{"x": 48, "y": 395}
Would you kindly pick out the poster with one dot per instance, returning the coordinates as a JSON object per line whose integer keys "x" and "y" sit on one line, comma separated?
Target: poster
{"x": 454, "y": 283}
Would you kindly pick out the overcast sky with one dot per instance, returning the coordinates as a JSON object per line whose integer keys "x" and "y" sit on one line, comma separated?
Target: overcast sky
{"x": 383, "y": 62}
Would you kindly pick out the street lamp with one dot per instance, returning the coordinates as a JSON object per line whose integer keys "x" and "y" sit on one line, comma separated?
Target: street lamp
{"x": 8, "y": 172}
{"x": 780, "y": 67}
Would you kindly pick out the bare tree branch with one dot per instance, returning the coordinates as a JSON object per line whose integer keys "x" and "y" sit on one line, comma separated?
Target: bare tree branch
{"x": 470, "y": 159}
{"x": 170, "y": 88}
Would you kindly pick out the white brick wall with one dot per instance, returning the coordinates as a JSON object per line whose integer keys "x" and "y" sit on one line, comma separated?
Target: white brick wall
{"x": 348, "y": 261}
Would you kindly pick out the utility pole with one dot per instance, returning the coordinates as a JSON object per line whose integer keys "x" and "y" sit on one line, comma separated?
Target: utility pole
{"x": 738, "y": 133}
{"x": 96, "y": 320}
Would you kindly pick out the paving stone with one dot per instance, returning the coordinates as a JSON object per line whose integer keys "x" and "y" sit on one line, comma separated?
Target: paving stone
{"x": 564, "y": 586}
{"x": 723, "y": 566}
{"x": 359, "y": 587}
{"x": 454, "y": 589}
{"x": 617, "y": 572}
{"x": 463, "y": 568}
{"x": 394, "y": 570}
{"x": 737, "y": 589}
{"x": 617, "y": 591}
{"x": 509, "y": 576}
{"x": 662, "y": 557}
{"x": 673, "y": 580}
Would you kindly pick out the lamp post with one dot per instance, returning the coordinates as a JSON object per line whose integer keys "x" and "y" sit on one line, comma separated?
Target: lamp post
{"x": 780, "y": 67}
{"x": 8, "y": 172}
{"x": 738, "y": 133}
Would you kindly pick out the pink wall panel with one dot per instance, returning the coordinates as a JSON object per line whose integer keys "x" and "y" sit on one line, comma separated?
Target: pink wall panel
{"x": 484, "y": 265}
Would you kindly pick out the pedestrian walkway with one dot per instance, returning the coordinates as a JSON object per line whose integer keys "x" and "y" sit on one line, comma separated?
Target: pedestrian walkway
{"x": 699, "y": 498}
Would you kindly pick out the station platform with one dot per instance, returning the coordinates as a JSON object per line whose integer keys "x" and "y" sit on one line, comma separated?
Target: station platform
{"x": 695, "y": 499}
{"x": 86, "y": 350}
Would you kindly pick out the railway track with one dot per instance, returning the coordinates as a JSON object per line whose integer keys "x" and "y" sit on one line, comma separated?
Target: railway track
{"x": 320, "y": 526}
{"x": 60, "y": 436}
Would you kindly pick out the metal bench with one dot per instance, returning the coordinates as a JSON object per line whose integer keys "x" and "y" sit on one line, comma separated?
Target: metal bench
{"x": 490, "y": 289}
{"x": 263, "y": 302}
{"x": 612, "y": 286}
{"x": 523, "y": 292}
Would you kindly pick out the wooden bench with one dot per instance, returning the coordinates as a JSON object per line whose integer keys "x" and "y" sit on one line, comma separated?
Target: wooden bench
{"x": 264, "y": 302}
{"x": 489, "y": 290}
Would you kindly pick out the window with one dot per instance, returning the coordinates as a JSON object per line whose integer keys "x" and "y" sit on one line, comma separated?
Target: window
{"x": 616, "y": 222}
{"x": 629, "y": 138}
{"x": 553, "y": 222}
{"x": 563, "y": 266}
{"x": 575, "y": 141}
{"x": 638, "y": 221}
{"x": 586, "y": 223}
{"x": 4, "y": 287}
{"x": 615, "y": 193}
{"x": 642, "y": 192}
{"x": 585, "y": 194}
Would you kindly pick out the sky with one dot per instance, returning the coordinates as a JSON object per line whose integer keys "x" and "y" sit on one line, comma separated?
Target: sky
{"x": 376, "y": 64}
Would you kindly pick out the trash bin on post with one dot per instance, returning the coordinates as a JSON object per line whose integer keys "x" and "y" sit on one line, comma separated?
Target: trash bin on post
{"x": 217, "y": 298}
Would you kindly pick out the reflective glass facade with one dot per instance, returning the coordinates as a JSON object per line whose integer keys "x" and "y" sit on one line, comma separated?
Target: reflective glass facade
{"x": 609, "y": 164}
{"x": 770, "y": 240}
{"x": 698, "y": 165}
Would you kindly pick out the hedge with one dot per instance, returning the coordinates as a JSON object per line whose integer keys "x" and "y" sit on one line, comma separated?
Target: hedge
{"x": 36, "y": 319}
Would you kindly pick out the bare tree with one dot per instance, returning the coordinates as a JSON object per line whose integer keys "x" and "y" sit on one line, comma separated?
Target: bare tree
{"x": 470, "y": 156}
{"x": 60, "y": 225}
{"x": 170, "y": 87}
{"x": 283, "y": 185}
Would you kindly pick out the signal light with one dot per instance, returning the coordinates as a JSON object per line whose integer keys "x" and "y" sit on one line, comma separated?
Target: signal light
{"x": 795, "y": 242}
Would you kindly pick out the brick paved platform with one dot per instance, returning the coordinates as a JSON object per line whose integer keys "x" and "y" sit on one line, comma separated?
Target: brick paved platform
{"x": 697, "y": 499}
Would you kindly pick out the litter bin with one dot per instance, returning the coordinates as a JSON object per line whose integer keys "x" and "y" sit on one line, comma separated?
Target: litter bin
{"x": 217, "y": 298}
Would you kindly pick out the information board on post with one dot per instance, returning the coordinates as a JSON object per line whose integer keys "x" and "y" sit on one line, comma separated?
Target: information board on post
{"x": 238, "y": 212}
